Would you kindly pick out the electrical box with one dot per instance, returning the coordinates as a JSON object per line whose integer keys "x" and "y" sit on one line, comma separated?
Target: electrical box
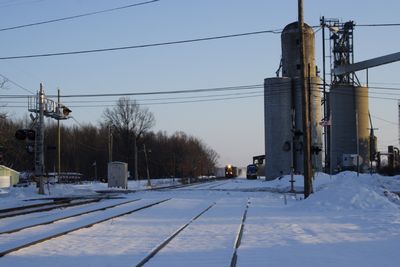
{"x": 118, "y": 174}
{"x": 350, "y": 160}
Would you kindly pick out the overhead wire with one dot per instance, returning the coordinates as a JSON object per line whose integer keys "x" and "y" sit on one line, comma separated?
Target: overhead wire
{"x": 382, "y": 119}
{"x": 377, "y": 25}
{"x": 178, "y": 102}
{"x": 17, "y": 84}
{"x": 202, "y": 90}
{"x": 158, "y": 103}
{"x": 77, "y": 16}
{"x": 202, "y": 39}
{"x": 16, "y": 3}
{"x": 145, "y": 99}
{"x": 203, "y": 98}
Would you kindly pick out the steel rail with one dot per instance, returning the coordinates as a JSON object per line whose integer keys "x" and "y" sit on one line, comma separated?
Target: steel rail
{"x": 50, "y": 206}
{"x": 50, "y": 202}
{"x": 87, "y": 225}
{"x": 166, "y": 241}
{"x": 13, "y": 230}
{"x": 239, "y": 235}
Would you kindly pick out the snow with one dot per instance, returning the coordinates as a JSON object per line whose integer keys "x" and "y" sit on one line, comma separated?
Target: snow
{"x": 349, "y": 220}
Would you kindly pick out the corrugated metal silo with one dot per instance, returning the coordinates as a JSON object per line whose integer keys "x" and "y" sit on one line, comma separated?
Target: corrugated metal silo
{"x": 349, "y": 109}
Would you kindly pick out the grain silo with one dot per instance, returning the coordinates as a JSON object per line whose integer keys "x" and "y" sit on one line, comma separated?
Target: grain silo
{"x": 283, "y": 107}
{"x": 350, "y": 127}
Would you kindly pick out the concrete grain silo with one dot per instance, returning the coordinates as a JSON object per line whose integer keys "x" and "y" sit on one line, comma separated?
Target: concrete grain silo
{"x": 283, "y": 107}
{"x": 350, "y": 127}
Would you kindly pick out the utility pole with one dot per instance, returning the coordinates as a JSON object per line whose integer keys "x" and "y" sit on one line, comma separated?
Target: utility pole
{"x": 95, "y": 171}
{"x": 110, "y": 143}
{"x": 358, "y": 146}
{"x": 326, "y": 102}
{"x": 58, "y": 137}
{"x": 39, "y": 153}
{"x": 42, "y": 107}
{"x": 147, "y": 166}
{"x": 135, "y": 160}
{"x": 305, "y": 105}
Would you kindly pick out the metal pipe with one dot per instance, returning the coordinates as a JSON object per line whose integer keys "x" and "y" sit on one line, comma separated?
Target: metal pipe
{"x": 39, "y": 155}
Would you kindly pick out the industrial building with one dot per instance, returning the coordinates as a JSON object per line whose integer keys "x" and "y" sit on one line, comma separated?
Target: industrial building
{"x": 339, "y": 110}
{"x": 348, "y": 106}
{"x": 283, "y": 107}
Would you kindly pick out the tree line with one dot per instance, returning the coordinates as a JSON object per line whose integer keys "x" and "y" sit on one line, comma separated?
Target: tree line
{"x": 122, "y": 135}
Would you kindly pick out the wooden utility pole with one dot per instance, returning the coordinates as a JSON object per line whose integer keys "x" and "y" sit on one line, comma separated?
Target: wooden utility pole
{"x": 305, "y": 105}
{"x": 147, "y": 166}
{"x": 58, "y": 136}
{"x": 110, "y": 143}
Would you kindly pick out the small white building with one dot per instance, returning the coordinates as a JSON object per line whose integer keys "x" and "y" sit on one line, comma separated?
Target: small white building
{"x": 118, "y": 174}
{"x": 8, "y": 177}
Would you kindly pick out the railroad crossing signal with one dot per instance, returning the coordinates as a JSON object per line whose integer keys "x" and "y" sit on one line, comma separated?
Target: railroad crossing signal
{"x": 43, "y": 106}
{"x": 23, "y": 134}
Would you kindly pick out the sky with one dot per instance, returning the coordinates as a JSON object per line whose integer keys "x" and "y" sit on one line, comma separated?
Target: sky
{"x": 234, "y": 128}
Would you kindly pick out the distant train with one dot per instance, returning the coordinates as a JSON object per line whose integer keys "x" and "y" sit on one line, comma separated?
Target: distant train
{"x": 252, "y": 171}
{"x": 231, "y": 171}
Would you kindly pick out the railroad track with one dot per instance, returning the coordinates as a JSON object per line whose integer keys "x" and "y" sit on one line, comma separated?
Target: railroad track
{"x": 26, "y": 209}
{"x": 239, "y": 236}
{"x": 233, "y": 261}
{"x": 170, "y": 238}
{"x": 74, "y": 201}
{"x": 204, "y": 185}
{"x": 7, "y": 248}
{"x": 57, "y": 217}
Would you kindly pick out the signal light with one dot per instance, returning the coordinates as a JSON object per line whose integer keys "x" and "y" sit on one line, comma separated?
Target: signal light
{"x": 66, "y": 111}
{"x": 30, "y": 134}
{"x": 30, "y": 148}
{"x": 23, "y": 134}
{"x": 315, "y": 149}
{"x": 20, "y": 134}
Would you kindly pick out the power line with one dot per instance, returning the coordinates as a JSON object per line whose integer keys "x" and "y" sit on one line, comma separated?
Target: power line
{"x": 378, "y": 25}
{"x": 381, "y": 119}
{"x": 159, "y": 103}
{"x": 12, "y": 3}
{"x": 16, "y": 84}
{"x": 165, "y": 98}
{"x": 145, "y": 99}
{"x": 172, "y": 102}
{"x": 215, "y": 89}
{"x": 142, "y": 46}
{"x": 248, "y": 88}
{"x": 77, "y": 16}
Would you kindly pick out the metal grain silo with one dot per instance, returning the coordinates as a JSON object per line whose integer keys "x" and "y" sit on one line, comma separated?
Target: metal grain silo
{"x": 283, "y": 99}
{"x": 350, "y": 127}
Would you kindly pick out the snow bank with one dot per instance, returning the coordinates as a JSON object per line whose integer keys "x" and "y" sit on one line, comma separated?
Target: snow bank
{"x": 347, "y": 191}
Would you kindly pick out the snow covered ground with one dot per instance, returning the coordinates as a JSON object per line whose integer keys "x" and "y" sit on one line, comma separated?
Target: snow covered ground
{"x": 348, "y": 221}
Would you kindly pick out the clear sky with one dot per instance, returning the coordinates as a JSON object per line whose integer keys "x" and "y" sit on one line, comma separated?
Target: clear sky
{"x": 234, "y": 128}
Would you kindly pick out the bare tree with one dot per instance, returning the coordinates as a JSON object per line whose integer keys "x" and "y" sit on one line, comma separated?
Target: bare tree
{"x": 3, "y": 83}
{"x": 130, "y": 121}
